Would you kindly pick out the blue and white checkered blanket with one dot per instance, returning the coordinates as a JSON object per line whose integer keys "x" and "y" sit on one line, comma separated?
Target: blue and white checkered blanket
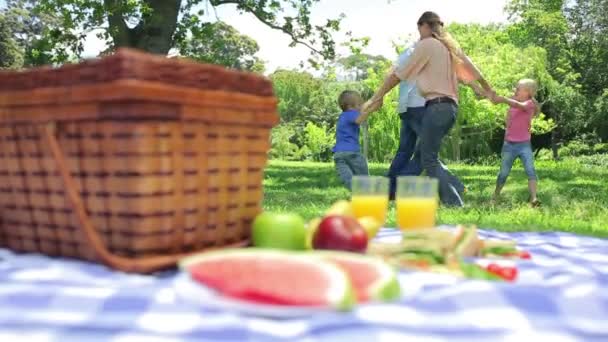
{"x": 561, "y": 295}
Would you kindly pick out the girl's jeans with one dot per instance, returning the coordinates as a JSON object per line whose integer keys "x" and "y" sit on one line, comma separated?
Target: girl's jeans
{"x": 512, "y": 151}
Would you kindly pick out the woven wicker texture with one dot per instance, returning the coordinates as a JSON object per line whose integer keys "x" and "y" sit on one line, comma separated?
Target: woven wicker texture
{"x": 133, "y": 169}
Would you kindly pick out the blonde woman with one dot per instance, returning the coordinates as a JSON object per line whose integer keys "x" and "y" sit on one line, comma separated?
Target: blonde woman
{"x": 437, "y": 65}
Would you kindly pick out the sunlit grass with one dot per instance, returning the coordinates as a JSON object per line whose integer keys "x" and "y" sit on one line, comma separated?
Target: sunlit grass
{"x": 574, "y": 195}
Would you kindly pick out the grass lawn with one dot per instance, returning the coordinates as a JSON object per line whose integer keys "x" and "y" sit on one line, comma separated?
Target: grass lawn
{"x": 574, "y": 195}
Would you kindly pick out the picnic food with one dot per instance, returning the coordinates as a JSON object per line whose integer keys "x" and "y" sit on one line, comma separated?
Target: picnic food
{"x": 311, "y": 228}
{"x": 501, "y": 249}
{"x": 508, "y": 273}
{"x": 466, "y": 242}
{"x": 342, "y": 207}
{"x": 372, "y": 278}
{"x": 272, "y": 277}
{"x": 279, "y": 230}
{"x": 342, "y": 233}
{"x": 132, "y": 160}
{"x": 371, "y": 226}
{"x": 443, "y": 252}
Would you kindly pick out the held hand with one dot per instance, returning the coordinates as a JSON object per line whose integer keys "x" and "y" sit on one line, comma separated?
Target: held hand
{"x": 372, "y": 105}
{"x": 479, "y": 93}
{"x": 496, "y": 99}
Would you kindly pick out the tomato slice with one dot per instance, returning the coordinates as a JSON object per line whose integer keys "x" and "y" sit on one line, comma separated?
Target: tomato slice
{"x": 519, "y": 254}
{"x": 505, "y": 272}
{"x": 508, "y": 273}
{"x": 494, "y": 268}
{"x": 525, "y": 255}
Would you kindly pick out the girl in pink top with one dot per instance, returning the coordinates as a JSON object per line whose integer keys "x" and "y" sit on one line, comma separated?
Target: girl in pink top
{"x": 522, "y": 109}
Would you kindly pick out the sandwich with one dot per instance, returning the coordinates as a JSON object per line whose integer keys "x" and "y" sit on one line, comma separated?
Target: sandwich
{"x": 440, "y": 237}
{"x": 420, "y": 254}
{"x": 465, "y": 242}
{"x": 410, "y": 253}
{"x": 501, "y": 249}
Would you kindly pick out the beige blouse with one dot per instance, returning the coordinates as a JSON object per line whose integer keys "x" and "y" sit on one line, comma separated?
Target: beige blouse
{"x": 431, "y": 66}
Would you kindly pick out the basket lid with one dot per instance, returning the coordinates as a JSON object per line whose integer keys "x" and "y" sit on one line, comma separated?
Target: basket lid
{"x": 129, "y": 64}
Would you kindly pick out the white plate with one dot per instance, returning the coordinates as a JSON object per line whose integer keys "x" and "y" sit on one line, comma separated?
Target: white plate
{"x": 191, "y": 291}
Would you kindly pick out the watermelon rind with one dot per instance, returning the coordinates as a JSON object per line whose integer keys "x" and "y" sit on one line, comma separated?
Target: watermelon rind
{"x": 340, "y": 295}
{"x": 386, "y": 288}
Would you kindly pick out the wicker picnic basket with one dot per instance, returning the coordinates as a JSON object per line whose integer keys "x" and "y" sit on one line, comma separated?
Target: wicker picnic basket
{"x": 131, "y": 160}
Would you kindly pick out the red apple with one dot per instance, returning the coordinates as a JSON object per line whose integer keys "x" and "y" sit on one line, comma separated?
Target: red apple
{"x": 340, "y": 233}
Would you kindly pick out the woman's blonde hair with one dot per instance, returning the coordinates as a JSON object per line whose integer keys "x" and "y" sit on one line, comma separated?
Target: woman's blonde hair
{"x": 530, "y": 85}
{"x": 434, "y": 21}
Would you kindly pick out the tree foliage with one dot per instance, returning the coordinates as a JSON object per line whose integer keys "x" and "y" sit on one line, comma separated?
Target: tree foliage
{"x": 28, "y": 29}
{"x": 225, "y": 46}
{"x": 360, "y": 64}
{"x": 158, "y": 26}
{"x": 11, "y": 56}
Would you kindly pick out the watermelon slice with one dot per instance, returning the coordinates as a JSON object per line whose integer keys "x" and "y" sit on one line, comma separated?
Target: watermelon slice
{"x": 272, "y": 277}
{"x": 372, "y": 278}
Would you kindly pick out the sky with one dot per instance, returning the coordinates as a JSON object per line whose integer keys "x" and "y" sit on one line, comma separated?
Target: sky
{"x": 384, "y": 21}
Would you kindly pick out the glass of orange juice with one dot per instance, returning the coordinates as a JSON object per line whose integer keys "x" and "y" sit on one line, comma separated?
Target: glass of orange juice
{"x": 370, "y": 197}
{"x": 417, "y": 201}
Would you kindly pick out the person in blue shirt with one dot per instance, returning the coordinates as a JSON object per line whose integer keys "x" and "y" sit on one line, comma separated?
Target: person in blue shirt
{"x": 411, "y": 110}
{"x": 347, "y": 152}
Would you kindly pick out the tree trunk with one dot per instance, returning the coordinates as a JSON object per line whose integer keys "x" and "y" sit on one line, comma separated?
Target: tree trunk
{"x": 154, "y": 33}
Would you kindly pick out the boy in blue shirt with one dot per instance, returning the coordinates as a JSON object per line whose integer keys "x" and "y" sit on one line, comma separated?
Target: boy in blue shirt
{"x": 347, "y": 152}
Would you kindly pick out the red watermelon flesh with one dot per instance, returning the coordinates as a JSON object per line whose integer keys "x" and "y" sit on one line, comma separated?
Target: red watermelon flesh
{"x": 371, "y": 278}
{"x": 272, "y": 278}
{"x": 360, "y": 276}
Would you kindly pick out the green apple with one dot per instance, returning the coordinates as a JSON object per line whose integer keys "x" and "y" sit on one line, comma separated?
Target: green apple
{"x": 280, "y": 231}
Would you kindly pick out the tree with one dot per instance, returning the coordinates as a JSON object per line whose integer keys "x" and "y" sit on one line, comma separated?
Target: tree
{"x": 11, "y": 56}
{"x": 589, "y": 43}
{"x": 296, "y": 91}
{"x": 159, "y": 25}
{"x": 360, "y": 64}
{"x": 29, "y": 29}
{"x": 544, "y": 24}
{"x": 224, "y": 46}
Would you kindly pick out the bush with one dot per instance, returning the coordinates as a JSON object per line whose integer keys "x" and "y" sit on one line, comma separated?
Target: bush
{"x": 600, "y": 148}
{"x": 576, "y": 148}
{"x": 282, "y": 147}
{"x": 594, "y": 160}
{"x": 586, "y": 144}
{"x": 318, "y": 141}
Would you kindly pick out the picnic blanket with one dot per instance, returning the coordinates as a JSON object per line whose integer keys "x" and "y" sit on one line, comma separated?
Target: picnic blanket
{"x": 561, "y": 295}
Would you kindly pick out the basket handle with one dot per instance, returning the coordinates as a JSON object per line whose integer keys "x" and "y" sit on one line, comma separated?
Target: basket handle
{"x": 138, "y": 265}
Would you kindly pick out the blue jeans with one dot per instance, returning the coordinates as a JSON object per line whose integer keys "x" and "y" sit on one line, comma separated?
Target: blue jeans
{"x": 403, "y": 164}
{"x": 436, "y": 124}
{"x": 349, "y": 164}
{"x": 512, "y": 151}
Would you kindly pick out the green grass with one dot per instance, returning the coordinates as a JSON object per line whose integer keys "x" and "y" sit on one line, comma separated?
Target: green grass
{"x": 574, "y": 195}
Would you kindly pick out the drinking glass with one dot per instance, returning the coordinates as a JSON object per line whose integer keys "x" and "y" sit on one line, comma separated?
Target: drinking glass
{"x": 417, "y": 202}
{"x": 370, "y": 197}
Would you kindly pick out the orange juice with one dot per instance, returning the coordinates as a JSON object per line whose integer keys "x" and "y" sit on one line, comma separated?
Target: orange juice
{"x": 416, "y": 212}
{"x": 370, "y": 205}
